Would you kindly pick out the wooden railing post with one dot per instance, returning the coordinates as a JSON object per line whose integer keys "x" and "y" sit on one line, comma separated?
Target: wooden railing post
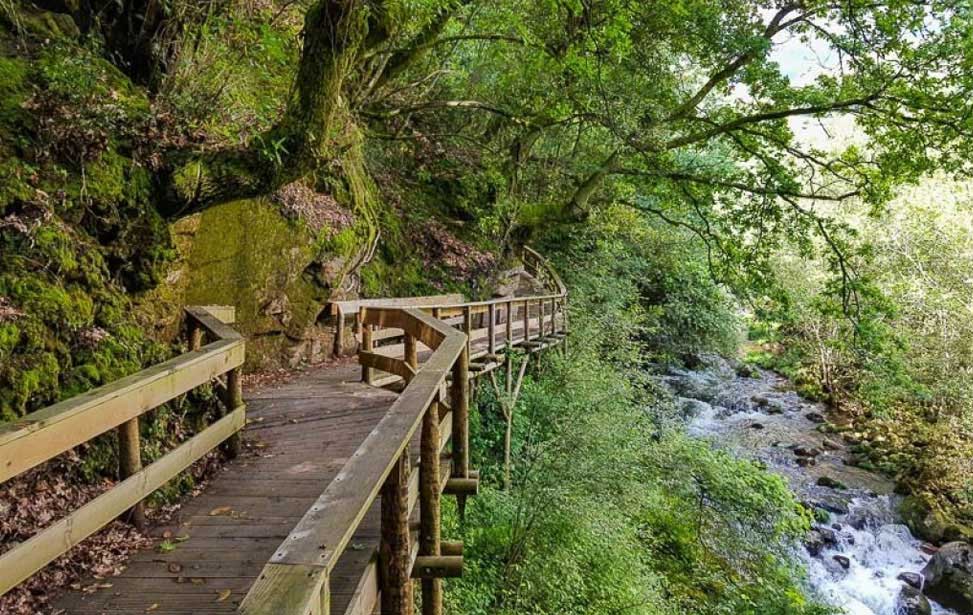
{"x": 553, "y": 316}
{"x": 509, "y": 325}
{"x": 394, "y": 553}
{"x": 411, "y": 351}
{"x": 339, "y": 334}
{"x": 459, "y": 401}
{"x": 130, "y": 462}
{"x": 234, "y": 399}
{"x": 526, "y": 320}
{"x": 468, "y": 328}
{"x": 366, "y": 346}
{"x": 429, "y": 507}
{"x": 492, "y": 328}
{"x": 540, "y": 318}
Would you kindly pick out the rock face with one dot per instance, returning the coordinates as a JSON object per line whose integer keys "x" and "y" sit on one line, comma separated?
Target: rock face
{"x": 949, "y": 576}
{"x": 912, "y": 602}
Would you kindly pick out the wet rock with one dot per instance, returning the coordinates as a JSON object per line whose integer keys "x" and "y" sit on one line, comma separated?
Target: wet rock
{"x": 912, "y": 579}
{"x": 806, "y": 451}
{"x": 928, "y": 548}
{"x": 912, "y": 602}
{"x": 843, "y": 561}
{"x": 692, "y": 408}
{"x": 819, "y": 538}
{"x": 815, "y": 417}
{"x": 830, "y": 483}
{"x": 745, "y": 370}
{"x": 831, "y": 445}
{"x": 949, "y": 576}
{"x": 757, "y": 426}
{"x": 805, "y": 462}
{"x": 761, "y": 401}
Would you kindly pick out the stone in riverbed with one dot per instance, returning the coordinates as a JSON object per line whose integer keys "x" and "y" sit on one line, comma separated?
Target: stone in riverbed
{"x": 949, "y": 576}
{"x": 815, "y": 417}
{"x": 912, "y": 602}
{"x": 830, "y": 483}
{"x": 819, "y": 538}
{"x": 912, "y": 579}
{"x": 843, "y": 561}
{"x": 806, "y": 451}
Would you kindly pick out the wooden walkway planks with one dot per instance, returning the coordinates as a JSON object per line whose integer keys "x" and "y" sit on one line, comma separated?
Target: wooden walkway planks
{"x": 305, "y": 432}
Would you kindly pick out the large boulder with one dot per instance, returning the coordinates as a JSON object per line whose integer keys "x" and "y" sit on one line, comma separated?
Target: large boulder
{"x": 912, "y": 602}
{"x": 949, "y": 576}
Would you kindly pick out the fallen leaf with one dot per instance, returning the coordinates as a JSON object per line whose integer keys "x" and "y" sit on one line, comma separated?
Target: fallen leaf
{"x": 174, "y": 567}
{"x": 197, "y": 581}
{"x": 224, "y": 595}
{"x": 182, "y": 538}
{"x": 222, "y": 510}
{"x": 154, "y": 606}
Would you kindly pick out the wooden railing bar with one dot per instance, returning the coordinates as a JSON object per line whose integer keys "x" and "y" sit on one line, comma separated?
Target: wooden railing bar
{"x": 25, "y": 559}
{"x": 44, "y": 434}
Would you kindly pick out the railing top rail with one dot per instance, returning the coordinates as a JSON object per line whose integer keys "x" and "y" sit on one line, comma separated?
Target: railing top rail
{"x": 317, "y": 542}
{"x": 46, "y": 433}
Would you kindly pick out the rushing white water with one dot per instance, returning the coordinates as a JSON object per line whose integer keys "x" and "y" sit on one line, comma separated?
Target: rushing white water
{"x": 760, "y": 417}
{"x": 877, "y": 553}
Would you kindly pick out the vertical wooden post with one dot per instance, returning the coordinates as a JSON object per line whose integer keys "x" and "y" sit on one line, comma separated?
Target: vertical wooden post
{"x": 468, "y": 328}
{"x": 526, "y": 320}
{"x": 540, "y": 318}
{"x": 411, "y": 351}
{"x": 394, "y": 554}
{"x": 553, "y": 316}
{"x": 509, "y": 330}
{"x": 366, "y": 346}
{"x": 195, "y": 335}
{"x": 130, "y": 462}
{"x": 492, "y": 328}
{"x": 429, "y": 513}
{"x": 459, "y": 401}
{"x": 436, "y": 313}
{"x": 234, "y": 399}
{"x": 339, "y": 334}
{"x": 357, "y": 325}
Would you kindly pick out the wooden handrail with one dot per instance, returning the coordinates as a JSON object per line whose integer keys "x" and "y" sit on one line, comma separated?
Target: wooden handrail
{"x": 45, "y": 434}
{"x": 294, "y": 581}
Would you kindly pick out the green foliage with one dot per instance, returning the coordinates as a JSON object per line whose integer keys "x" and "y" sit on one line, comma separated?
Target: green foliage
{"x": 611, "y": 508}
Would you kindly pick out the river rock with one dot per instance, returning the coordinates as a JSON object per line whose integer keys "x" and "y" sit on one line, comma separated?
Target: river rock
{"x": 843, "y": 561}
{"x": 831, "y": 445}
{"x": 806, "y": 461}
{"x": 819, "y": 538}
{"x": 912, "y": 579}
{"x": 912, "y": 602}
{"x": 757, "y": 426}
{"x": 806, "y": 451}
{"x": 815, "y": 417}
{"x": 830, "y": 483}
{"x": 949, "y": 576}
{"x": 692, "y": 408}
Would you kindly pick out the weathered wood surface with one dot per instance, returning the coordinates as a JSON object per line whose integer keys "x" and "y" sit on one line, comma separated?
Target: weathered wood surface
{"x": 302, "y": 436}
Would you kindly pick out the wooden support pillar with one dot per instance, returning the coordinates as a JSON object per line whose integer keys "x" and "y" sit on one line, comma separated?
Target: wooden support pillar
{"x": 526, "y": 320}
{"x": 429, "y": 508}
{"x": 540, "y": 318}
{"x": 366, "y": 346}
{"x": 459, "y": 401}
{"x": 553, "y": 316}
{"x": 234, "y": 399}
{"x": 411, "y": 351}
{"x": 130, "y": 462}
{"x": 394, "y": 553}
{"x": 509, "y": 325}
{"x": 339, "y": 334}
{"x": 468, "y": 328}
{"x": 492, "y": 328}
{"x": 195, "y": 336}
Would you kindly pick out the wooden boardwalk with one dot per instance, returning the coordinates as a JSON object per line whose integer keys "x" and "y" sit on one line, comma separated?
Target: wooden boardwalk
{"x": 300, "y": 435}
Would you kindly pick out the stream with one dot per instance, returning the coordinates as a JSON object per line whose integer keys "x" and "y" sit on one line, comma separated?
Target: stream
{"x": 855, "y": 559}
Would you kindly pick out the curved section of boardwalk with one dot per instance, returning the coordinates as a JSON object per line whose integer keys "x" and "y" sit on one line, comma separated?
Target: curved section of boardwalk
{"x": 301, "y": 435}
{"x": 295, "y": 525}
